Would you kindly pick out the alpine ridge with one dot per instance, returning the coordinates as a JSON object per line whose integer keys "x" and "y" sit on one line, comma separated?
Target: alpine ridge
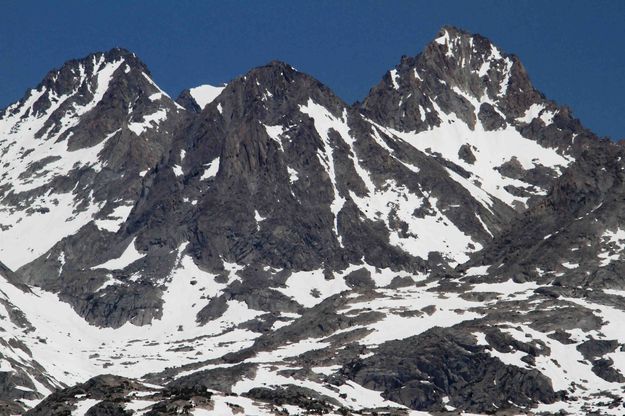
{"x": 452, "y": 243}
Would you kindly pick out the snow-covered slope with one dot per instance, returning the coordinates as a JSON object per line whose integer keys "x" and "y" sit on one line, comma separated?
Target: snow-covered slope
{"x": 472, "y": 106}
{"x": 62, "y": 151}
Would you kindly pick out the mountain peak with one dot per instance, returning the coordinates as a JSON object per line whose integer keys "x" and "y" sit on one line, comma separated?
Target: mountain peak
{"x": 465, "y": 48}
{"x": 130, "y": 58}
{"x": 119, "y": 52}
{"x": 456, "y": 73}
{"x": 97, "y": 60}
{"x": 274, "y": 89}
{"x": 453, "y": 32}
{"x": 273, "y": 71}
{"x": 277, "y": 64}
{"x": 80, "y": 75}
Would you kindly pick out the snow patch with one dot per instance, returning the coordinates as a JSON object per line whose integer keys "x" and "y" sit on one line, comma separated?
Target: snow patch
{"x": 150, "y": 121}
{"x": 324, "y": 121}
{"x": 491, "y": 149}
{"x": 274, "y": 132}
{"x": 115, "y": 219}
{"x": 293, "y": 174}
{"x": 129, "y": 256}
{"x": 205, "y": 94}
{"x": 211, "y": 170}
{"x": 394, "y": 78}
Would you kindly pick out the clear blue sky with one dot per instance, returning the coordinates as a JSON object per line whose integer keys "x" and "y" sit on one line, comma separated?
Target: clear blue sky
{"x": 574, "y": 50}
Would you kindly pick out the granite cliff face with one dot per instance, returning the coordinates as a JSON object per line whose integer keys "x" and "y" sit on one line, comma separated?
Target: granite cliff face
{"x": 451, "y": 243}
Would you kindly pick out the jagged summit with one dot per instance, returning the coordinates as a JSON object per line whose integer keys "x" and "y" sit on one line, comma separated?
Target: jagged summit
{"x": 459, "y": 39}
{"x": 112, "y": 55}
{"x": 70, "y": 147}
{"x": 460, "y": 73}
{"x": 277, "y": 65}
{"x": 271, "y": 92}
{"x": 281, "y": 78}
{"x": 78, "y": 73}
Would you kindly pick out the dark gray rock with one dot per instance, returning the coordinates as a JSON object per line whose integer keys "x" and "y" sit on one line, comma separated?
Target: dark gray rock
{"x": 113, "y": 392}
{"x": 594, "y": 348}
{"x": 220, "y": 379}
{"x": 420, "y": 371}
{"x": 108, "y": 408}
{"x": 604, "y": 369}
{"x": 360, "y": 280}
{"x": 304, "y": 398}
{"x": 105, "y": 388}
{"x": 188, "y": 102}
{"x": 466, "y": 154}
{"x": 490, "y": 118}
{"x": 214, "y": 309}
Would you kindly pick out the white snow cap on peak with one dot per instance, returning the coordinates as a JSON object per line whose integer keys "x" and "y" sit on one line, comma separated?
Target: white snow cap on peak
{"x": 205, "y": 94}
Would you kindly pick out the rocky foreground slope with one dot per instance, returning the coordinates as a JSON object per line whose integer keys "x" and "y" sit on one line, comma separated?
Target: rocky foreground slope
{"x": 450, "y": 244}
